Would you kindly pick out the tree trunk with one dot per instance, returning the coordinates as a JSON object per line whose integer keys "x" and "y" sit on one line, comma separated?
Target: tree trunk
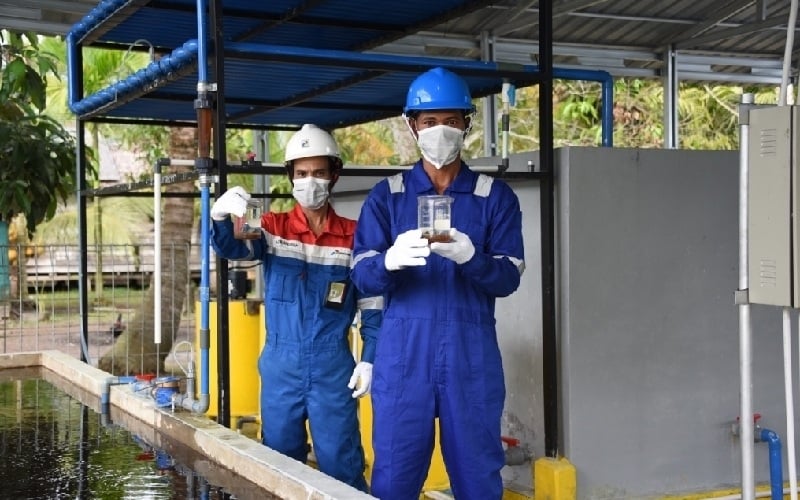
{"x": 135, "y": 350}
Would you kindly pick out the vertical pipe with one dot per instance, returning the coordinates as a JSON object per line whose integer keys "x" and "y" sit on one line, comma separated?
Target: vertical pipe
{"x": 261, "y": 146}
{"x": 547, "y": 222}
{"x": 83, "y": 244}
{"x": 608, "y": 112}
{"x": 787, "y": 57}
{"x": 789, "y": 396}
{"x": 787, "y": 324}
{"x": 775, "y": 463}
{"x": 745, "y": 334}
{"x": 223, "y": 337}
{"x": 202, "y": 83}
{"x": 489, "y": 107}
{"x": 157, "y": 269}
{"x": 671, "y": 98}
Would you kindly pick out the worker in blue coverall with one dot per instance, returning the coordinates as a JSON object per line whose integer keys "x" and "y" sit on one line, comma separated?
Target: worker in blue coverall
{"x": 437, "y": 354}
{"x": 307, "y": 370}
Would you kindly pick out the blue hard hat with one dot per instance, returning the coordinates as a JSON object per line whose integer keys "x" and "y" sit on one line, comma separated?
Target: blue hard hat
{"x": 438, "y": 88}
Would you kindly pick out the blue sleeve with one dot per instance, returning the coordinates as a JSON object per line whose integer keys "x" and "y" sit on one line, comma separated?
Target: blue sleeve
{"x": 371, "y": 309}
{"x": 228, "y": 247}
{"x": 497, "y": 268}
{"x": 373, "y": 237}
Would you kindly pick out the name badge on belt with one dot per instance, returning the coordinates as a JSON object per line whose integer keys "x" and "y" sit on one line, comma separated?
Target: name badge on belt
{"x": 337, "y": 292}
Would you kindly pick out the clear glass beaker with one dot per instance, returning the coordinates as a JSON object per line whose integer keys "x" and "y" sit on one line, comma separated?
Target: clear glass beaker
{"x": 248, "y": 227}
{"x": 433, "y": 217}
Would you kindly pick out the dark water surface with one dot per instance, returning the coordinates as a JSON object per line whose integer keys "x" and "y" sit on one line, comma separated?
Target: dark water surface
{"x": 54, "y": 447}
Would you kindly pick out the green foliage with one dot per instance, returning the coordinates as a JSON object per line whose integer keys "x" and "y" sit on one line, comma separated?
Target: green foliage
{"x": 37, "y": 155}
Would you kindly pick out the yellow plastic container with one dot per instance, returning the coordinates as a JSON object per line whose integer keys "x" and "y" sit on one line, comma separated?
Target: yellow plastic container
{"x": 245, "y": 340}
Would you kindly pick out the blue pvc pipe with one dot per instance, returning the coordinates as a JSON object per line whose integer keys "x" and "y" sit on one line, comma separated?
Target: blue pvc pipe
{"x": 202, "y": 80}
{"x": 775, "y": 463}
{"x": 607, "y": 93}
{"x": 204, "y": 281}
{"x": 202, "y": 41}
{"x": 181, "y": 59}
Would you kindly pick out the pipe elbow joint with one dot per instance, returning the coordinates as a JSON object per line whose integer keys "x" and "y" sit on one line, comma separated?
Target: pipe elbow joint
{"x": 769, "y": 436}
{"x": 186, "y": 402}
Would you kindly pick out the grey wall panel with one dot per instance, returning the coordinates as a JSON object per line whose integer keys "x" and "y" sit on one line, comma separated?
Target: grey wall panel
{"x": 649, "y": 331}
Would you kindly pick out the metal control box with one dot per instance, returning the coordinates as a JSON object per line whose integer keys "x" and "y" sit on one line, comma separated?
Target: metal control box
{"x": 773, "y": 256}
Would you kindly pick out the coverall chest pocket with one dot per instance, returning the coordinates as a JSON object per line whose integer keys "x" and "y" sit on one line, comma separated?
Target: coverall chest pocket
{"x": 321, "y": 283}
{"x": 285, "y": 280}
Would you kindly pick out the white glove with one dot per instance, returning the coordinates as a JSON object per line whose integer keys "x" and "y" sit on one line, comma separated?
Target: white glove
{"x": 363, "y": 371}
{"x": 233, "y": 201}
{"x": 460, "y": 248}
{"x": 409, "y": 249}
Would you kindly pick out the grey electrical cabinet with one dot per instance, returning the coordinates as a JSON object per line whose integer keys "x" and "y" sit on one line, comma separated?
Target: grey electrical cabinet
{"x": 773, "y": 253}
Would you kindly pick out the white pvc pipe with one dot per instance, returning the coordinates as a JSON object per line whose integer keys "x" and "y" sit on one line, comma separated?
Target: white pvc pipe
{"x": 787, "y": 376}
{"x": 746, "y": 427}
{"x": 157, "y": 269}
{"x": 787, "y": 323}
{"x": 181, "y": 163}
{"x": 787, "y": 54}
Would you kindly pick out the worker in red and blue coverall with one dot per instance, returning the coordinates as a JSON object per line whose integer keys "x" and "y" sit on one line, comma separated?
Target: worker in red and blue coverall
{"x": 308, "y": 372}
{"x": 437, "y": 354}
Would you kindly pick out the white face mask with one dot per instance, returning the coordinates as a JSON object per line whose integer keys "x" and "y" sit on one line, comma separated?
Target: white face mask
{"x": 311, "y": 192}
{"x": 441, "y": 144}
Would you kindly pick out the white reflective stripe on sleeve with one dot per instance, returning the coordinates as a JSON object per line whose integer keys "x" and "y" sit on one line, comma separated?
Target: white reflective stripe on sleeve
{"x": 483, "y": 186}
{"x": 396, "y": 183}
{"x": 518, "y": 263}
{"x": 375, "y": 302}
{"x": 368, "y": 253}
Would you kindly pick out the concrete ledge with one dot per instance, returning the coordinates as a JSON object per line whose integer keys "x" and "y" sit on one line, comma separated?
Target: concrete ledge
{"x": 275, "y": 473}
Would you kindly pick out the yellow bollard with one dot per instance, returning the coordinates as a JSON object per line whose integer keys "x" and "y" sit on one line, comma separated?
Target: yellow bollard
{"x": 554, "y": 479}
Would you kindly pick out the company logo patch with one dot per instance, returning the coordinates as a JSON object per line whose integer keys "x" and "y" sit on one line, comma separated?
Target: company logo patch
{"x": 304, "y": 143}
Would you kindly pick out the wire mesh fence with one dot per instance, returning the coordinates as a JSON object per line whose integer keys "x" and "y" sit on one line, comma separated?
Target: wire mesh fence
{"x": 40, "y": 310}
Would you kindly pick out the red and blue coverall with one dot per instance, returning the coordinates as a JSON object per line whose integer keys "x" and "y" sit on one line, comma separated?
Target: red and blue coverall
{"x": 306, "y": 363}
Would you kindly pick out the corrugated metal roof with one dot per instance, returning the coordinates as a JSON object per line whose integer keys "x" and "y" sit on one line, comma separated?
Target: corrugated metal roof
{"x": 715, "y": 40}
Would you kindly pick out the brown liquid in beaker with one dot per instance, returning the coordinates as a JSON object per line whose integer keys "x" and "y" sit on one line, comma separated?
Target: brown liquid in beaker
{"x": 244, "y": 231}
{"x": 248, "y": 235}
{"x": 437, "y": 238}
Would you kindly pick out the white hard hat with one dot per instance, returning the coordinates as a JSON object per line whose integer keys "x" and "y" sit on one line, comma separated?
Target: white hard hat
{"x": 310, "y": 141}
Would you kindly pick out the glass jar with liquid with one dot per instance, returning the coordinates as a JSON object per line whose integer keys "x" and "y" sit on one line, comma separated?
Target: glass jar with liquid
{"x": 433, "y": 217}
{"x": 248, "y": 227}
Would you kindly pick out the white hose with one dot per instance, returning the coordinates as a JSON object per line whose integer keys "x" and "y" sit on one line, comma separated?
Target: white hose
{"x": 175, "y": 351}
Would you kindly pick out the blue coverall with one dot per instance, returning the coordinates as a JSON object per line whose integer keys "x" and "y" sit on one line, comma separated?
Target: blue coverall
{"x": 306, "y": 363}
{"x": 437, "y": 353}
